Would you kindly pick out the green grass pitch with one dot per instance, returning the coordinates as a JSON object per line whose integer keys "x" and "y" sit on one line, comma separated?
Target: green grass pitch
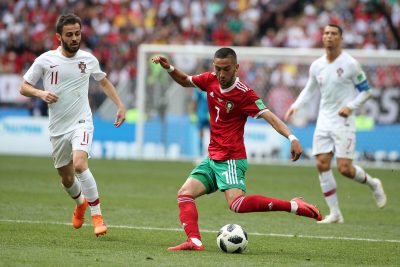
{"x": 139, "y": 205}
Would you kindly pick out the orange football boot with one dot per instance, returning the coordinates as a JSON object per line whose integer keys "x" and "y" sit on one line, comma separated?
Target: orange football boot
{"x": 78, "y": 218}
{"x": 99, "y": 227}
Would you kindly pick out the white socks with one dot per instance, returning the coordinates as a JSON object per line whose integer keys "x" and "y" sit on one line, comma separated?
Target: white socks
{"x": 89, "y": 189}
{"x": 363, "y": 177}
{"x": 293, "y": 206}
{"x": 328, "y": 186}
{"x": 75, "y": 192}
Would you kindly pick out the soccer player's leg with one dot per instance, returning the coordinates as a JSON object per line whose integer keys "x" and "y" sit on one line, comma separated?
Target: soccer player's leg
{"x": 63, "y": 163}
{"x": 232, "y": 182}
{"x": 345, "y": 155}
{"x": 89, "y": 188}
{"x": 328, "y": 186}
{"x": 258, "y": 203}
{"x": 74, "y": 190}
{"x": 199, "y": 183}
{"x": 361, "y": 176}
{"x": 81, "y": 143}
{"x": 323, "y": 147}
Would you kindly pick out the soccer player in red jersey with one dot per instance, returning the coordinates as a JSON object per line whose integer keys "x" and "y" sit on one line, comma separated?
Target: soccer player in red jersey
{"x": 230, "y": 102}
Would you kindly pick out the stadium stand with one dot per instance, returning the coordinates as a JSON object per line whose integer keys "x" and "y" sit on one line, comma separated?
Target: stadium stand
{"x": 114, "y": 29}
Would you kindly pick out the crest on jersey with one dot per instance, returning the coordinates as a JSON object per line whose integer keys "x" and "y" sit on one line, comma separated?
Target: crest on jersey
{"x": 82, "y": 66}
{"x": 339, "y": 72}
{"x": 229, "y": 106}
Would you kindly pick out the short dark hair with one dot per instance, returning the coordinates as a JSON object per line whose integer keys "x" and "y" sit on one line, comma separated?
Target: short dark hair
{"x": 67, "y": 19}
{"x": 337, "y": 27}
{"x": 226, "y": 52}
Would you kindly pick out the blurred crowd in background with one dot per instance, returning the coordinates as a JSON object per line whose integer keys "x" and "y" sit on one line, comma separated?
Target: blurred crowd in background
{"x": 112, "y": 30}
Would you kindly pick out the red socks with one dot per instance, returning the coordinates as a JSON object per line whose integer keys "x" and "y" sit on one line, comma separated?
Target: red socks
{"x": 188, "y": 216}
{"x": 257, "y": 203}
{"x": 242, "y": 204}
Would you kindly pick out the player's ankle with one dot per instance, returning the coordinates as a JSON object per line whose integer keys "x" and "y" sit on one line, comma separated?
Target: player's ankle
{"x": 196, "y": 241}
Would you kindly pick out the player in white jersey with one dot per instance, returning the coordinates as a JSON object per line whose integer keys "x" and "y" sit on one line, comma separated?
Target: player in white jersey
{"x": 65, "y": 73}
{"x": 338, "y": 77}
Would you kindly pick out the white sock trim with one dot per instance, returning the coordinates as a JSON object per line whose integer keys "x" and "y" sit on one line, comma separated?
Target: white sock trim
{"x": 196, "y": 241}
{"x": 293, "y": 206}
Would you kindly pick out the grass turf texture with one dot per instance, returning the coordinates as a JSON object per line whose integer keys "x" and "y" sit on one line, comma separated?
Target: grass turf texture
{"x": 139, "y": 205}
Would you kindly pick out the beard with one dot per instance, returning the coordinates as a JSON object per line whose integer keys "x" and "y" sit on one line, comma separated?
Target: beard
{"x": 226, "y": 83}
{"x": 69, "y": 48}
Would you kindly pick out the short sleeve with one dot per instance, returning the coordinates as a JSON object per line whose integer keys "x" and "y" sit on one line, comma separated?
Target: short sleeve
{"x": 97, "y": 73}
{"x": 253, "y": 106}
{"x": 35, "y": 72}
{"x": 200, "y": 80}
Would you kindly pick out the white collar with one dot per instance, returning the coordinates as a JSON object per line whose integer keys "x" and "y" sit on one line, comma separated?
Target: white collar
{"x": 226, "y": 90}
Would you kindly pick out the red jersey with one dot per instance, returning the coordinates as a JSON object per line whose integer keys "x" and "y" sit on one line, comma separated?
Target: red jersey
{"x": 229, "y": 109}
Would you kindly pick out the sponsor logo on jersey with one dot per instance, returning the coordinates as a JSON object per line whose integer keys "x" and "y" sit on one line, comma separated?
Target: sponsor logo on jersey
{"x": 53, "y": 66}
{"x": 229, "y": 106}
{"x": 339, "y": 72}
{"x": 82, "y": 66}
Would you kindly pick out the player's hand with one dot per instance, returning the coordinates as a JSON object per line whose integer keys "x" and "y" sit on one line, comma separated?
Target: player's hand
{"x": 48, "y": 97}
{"x": 120, "y": 118}
{"x": 163, "y": 61}
{"x": 296, "y": 150}
{"x": 345, "y": 112}
{"x": 289, "y": 113}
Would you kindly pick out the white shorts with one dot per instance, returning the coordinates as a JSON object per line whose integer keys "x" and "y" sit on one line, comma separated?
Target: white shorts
{"x": 63, "y": 145}
{"x": 340, "y": 143}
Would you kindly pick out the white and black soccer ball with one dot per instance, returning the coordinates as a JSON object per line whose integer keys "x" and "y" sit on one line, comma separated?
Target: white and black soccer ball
{"x": 232, "y": 238}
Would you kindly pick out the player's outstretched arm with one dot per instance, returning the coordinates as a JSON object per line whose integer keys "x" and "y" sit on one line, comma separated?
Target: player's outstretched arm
{"x": 111, "y": 92}
{"x": 295, "y": 149}
{"x": 176, "y": 74}
{"x": 29, "y": 90}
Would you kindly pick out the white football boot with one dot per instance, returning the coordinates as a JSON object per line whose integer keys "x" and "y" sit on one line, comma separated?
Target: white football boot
{"x": 379, "y": 193}
{"x": 332, "y": 218}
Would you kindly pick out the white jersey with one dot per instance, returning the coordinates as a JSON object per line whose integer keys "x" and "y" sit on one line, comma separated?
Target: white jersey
{"x": 337, "y": 82}
{"x": 68, "y": 78}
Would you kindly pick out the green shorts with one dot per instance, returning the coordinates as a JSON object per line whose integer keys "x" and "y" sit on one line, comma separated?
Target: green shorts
{"x": 221, "y": 174}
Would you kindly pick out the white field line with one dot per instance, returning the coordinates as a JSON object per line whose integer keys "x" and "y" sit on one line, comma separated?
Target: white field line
{"x": 210, "y": 231}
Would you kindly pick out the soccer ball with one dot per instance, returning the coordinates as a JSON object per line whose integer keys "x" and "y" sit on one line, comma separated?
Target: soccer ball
{"x": 232, "y": 238}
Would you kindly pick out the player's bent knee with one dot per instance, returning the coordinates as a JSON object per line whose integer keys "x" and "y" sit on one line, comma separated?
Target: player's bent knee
{"x": 80, "y": 167}
{"x": 323, "y": 166}
{"x": 186, "y": 192}
{"x": 345, "y": 170}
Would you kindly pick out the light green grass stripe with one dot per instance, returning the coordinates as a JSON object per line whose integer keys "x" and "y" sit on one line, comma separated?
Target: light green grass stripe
{"x": 209, "y": 231}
